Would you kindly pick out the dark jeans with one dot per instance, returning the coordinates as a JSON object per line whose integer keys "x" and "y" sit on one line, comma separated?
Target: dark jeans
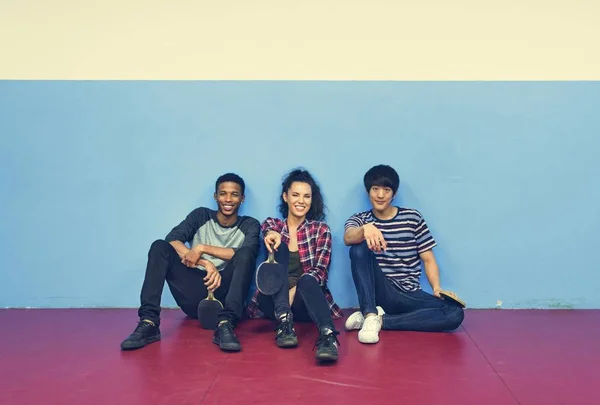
{"x": 411, "y": 311}
{"x": 309, "y": 302}
{"x": 187, "y": 284}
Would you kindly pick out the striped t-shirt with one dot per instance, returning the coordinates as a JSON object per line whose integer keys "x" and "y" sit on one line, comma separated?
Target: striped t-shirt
{"x": 406, "y": 235}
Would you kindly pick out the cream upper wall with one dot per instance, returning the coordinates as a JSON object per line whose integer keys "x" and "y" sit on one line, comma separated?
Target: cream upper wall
{"x": 300, "y": 40}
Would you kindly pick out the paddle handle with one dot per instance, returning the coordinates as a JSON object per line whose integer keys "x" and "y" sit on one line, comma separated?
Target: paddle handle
{"x": 211, "y": 295}
{"x": 271, "y": 257}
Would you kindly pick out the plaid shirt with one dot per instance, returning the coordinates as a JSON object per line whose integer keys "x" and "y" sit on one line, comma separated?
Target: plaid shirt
{"x": 314, "y": 249}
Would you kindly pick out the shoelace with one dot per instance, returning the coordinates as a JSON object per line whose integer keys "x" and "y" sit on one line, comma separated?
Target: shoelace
{"x": 226, "y": 328}
{"x": 327, "y": 340}
{"x": 141, "y": 326}
{"x": 284, "y": 327}
{"x": 370, "y": 323}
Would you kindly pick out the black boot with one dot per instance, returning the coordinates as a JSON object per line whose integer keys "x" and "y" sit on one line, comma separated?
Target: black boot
{"x": 146, "y": 332}
{"x": 327, "y": 345}
{"x": 226, "y": 339}
{"x": 286, "y": 335}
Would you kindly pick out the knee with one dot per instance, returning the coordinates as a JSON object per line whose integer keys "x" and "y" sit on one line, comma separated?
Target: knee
{"x": 244, "y": 259}
{"x": 245, "y": 254}
{"x": 455, "y": 316}
{"x": 305, "y": 282}
{"x": 360, "y": 251}
{"x": 282, "y": 248}
{"x": 282, "y": 254}
{"x": 160, "y": 246}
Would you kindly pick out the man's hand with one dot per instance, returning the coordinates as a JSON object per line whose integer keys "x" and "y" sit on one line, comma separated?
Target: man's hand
{"x": 437, "y": 292}
{"x": 213, "y": 277}
{"x": 374, "y": 238}
{"x": 191, "y": 258}
{"x": 272, "y": 239}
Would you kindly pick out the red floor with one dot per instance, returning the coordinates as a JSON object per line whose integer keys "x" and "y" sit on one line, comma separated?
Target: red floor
{"x": 499, "y": 357}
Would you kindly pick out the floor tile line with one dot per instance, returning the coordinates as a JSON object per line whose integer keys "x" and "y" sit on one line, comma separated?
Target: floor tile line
{"x": 214, "y": 379}
{"x": 492, "y": 366}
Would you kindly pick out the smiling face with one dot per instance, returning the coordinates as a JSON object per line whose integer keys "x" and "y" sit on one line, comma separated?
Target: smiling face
{"x": 229, "y": 198}
{"x": 299, "y": 199}
{"x": 381, "y": 198}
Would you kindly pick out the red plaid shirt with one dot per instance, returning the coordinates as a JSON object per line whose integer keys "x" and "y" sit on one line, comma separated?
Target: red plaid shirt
{"x": 314, "y": 249}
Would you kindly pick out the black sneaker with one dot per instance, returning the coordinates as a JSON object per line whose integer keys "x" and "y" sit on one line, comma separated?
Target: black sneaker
{"x": 327, "y": 345}
{"x": 145, "y": 333}
{"x": 226, "y": 339}
{"x": 286, "y": 335}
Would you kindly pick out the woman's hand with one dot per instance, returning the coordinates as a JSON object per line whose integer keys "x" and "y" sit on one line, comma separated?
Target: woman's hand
{"x": 272, "y": 240}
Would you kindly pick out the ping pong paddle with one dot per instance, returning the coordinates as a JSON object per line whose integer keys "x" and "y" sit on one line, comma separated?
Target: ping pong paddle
{"x": 270, "y": 276}
{"x": 451, "y": 296}
{"x": 208, "y": 311}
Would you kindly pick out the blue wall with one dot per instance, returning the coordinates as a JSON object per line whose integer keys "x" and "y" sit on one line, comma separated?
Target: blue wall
{"x": 505, "y": 174}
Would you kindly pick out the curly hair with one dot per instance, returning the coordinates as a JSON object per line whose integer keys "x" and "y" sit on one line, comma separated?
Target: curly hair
{"x": 317, "y": 208}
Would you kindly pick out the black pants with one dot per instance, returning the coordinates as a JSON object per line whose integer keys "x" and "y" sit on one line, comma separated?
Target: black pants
{"x": 309, "y": 302}
{"x": 187, "y": 284}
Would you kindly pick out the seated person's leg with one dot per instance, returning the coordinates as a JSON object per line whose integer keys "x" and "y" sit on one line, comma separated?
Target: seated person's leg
{"x": 370, "y": 286}
{"x": 235, "y": 283}
{"x": 318, "y": 309}
{"x": 314, "y": 301}
{"x": 266, "y": 306}
{"x": 277, "y": 306}
{"x": 185, "y": 284}
{"x": 281, "y": 300}
{"x": 420, "y": 311}
{"x": 299, "y": 310}
{"x": 361, "y": 263}
{"x": 414, "y": 310}
{"x": 400, "y": 310}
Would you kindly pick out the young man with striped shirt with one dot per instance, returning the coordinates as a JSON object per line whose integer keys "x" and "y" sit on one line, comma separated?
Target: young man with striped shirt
{"x": 387, "y": 246}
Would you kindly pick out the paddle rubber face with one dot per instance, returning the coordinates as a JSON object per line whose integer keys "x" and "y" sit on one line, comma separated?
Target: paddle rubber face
{"x": 208, "y": 311}
{"x": 270, "y": 276}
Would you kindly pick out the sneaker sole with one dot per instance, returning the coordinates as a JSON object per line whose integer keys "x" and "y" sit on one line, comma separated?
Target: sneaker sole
{"x": 353, "y": 326}
{"x": 287, "y": 344}
{"x": 227, "y": 348}
{"x": 369, "y": 342}
{"x": 354, "y": 322}
{"x": 327, "y": 357}
{"x": 139, "y": 345}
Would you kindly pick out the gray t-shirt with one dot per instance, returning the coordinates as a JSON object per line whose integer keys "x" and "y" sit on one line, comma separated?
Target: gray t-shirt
{"x": 201, "y": 226}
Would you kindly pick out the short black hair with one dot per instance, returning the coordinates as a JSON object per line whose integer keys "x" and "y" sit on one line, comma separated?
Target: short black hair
{"x": 382, "y": 175}
{"x": 317, "y": 208}
{"x": 230, "y": 177}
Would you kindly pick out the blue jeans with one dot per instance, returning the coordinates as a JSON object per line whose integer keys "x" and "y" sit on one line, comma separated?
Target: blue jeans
{"x": 404, "y": 310}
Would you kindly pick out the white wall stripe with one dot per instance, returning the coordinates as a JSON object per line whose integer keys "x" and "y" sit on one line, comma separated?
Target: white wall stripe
{"x": 300, "y": 40}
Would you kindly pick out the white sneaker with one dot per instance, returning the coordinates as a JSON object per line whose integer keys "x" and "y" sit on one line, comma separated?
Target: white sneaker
{"x": 355, "y": 321}
{"x": 369, "y": 333}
